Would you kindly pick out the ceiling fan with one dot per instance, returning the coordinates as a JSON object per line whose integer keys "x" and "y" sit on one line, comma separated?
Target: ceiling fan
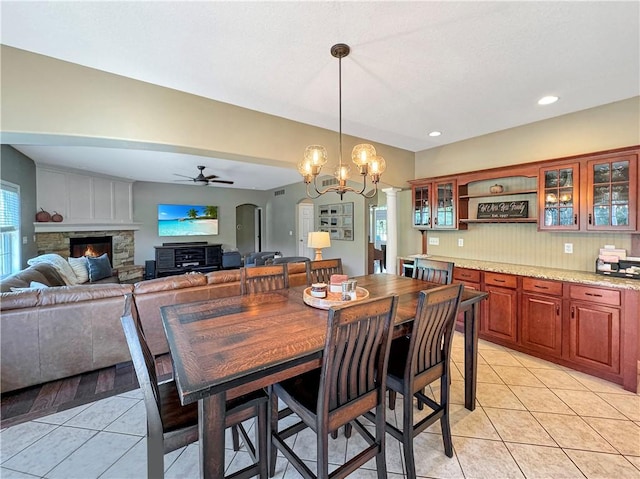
{"x": 202, "y": 180}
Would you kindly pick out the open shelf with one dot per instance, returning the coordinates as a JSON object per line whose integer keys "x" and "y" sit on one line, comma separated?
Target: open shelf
{"x": 504, "y": 193}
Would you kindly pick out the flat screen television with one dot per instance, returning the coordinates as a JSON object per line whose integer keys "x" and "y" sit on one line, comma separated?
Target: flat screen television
{"x": 187, "y": 220}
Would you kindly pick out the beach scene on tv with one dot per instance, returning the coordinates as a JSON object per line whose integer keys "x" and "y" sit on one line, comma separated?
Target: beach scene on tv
{"x": 187, "y": 220}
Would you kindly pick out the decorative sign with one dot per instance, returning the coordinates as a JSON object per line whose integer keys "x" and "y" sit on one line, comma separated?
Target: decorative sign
{"x": 503, "y": 209}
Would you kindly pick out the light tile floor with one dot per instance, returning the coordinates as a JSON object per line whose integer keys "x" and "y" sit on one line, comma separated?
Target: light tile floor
{"x": 534, "y": 419}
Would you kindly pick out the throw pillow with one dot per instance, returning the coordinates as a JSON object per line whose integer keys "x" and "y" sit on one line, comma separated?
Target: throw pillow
{"x": 99, "y": 267}
{"x": 80, "y": 268}
{"x": 59, "y": 264}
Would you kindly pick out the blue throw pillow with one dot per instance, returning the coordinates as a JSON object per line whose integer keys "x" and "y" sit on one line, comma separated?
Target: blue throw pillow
{"x": 99, "y": 268}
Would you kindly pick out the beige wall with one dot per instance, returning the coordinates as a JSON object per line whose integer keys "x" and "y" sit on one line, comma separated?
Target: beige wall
{"x": 606, "y": 127}
{"x": 43, "y": 99}
{"x": 610, "y": 126}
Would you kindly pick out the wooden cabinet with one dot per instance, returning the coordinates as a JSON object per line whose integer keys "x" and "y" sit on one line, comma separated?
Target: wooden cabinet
{"x": 434, "y": 205}
{"x": 500, "y": 316}
{"x": 612, "y": 199}
{"x": 594, "y": 328}
{"x": 541, "y": 316}
{"x": 558, "y": 197}
{"x": 596, "y": 193}
{"x": 180, "y": 258}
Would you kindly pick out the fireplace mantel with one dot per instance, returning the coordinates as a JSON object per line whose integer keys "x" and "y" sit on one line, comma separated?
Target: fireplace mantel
{"x": 51, "y": 227}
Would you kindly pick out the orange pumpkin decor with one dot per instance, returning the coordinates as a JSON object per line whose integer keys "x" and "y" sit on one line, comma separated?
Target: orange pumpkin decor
{"x": 43, "y": 216}
{"x": 56, "y": 217}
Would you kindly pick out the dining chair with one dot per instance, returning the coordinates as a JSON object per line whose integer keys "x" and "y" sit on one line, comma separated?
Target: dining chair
{"x": 171, "y": 426}
{"x": 320, "y": 271}
{"x": 433, "y": 271}
{"x": 350, "y": 382}
{"x": 417, "y": 360}
{"x": 260, "y": 279}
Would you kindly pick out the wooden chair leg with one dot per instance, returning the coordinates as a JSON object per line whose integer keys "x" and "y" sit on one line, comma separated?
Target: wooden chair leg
{"x": 334, "y": 434}
{"x": 347, "y": 430}
{"x": 273, "y": 451}
{"x": 262, "y": 433}
{"x": 381, "y": 461}
{"x": 323, "y": 454}
{"x": 444, "y": 420}
{"x": 235, "y": 438}
{"x": 155, "y": 457}
{"x": 392, "y": 399}
{"x": 420, "y": 403}
{"x": 407, "y": 436}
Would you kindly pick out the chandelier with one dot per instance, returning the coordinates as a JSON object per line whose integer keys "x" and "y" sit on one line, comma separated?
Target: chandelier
{"x": 363, "y": 155}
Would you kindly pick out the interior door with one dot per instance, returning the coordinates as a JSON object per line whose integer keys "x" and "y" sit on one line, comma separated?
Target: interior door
{"x": 305, "y": 225}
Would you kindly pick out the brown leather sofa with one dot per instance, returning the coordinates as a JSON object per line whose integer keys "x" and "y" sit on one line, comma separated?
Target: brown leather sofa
{"x": 57, "y": 332}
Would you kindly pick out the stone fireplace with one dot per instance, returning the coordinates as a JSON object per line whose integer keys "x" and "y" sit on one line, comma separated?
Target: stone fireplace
{"x": 121, "y": 244}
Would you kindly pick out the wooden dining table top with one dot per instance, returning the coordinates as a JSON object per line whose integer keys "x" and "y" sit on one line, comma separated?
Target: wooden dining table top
{"x": 233, "y": 344}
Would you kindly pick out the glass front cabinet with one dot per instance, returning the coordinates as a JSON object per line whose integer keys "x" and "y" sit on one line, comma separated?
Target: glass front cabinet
{"x": 612, "y": 195}
{"x": 558, "y": 196}
{"x": 434, "y": 205}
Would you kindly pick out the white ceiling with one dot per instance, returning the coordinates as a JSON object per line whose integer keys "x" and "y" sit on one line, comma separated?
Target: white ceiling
{"x": 464, "y": 68}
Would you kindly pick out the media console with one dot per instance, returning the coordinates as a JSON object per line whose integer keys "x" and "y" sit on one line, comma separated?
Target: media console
{"x": 179, "y": 258}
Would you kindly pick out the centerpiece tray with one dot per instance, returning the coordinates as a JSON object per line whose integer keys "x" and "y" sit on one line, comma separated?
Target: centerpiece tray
{"x": 332, "y": 299}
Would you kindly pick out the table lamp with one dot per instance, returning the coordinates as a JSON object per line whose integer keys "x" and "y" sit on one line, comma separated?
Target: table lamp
{"x": 318, "y": 240}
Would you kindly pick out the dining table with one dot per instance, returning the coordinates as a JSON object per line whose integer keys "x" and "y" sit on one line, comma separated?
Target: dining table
{"x": 223, "y": 348}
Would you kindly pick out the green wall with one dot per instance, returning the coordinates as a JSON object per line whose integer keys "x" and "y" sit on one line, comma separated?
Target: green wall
{"x": 21, "y": 170}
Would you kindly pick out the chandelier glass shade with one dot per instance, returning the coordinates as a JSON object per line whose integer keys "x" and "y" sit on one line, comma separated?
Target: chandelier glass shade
{"x": 364, "y": 156}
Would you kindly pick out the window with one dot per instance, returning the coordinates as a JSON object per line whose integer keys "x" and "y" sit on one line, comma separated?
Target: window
{"x": 9, "y": 228}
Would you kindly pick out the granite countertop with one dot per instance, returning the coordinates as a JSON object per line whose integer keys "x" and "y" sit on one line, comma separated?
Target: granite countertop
{"x": 582, "y": 277}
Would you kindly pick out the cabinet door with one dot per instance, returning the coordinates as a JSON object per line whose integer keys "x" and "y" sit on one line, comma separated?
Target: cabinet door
{"x": 500, "y": 314}
{"x": 558, "y": 197}
{"x": 422, "y": 206}
{"x": 541, "y": 324}
{"x": 444, "y": 209}
{"x": 612, "y": 196}
{"x": 594, "y": 336}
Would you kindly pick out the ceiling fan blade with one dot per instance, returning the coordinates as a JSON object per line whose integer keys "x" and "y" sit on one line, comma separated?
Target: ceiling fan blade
{"x": 210, "y": 177}
{"x": 226, "y": 182}
{"x": 184, "y": 176}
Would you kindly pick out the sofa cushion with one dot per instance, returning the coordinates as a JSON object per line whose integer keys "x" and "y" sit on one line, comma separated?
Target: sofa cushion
{"x": 99, "y": 268}
{"x": 59, "y": 263}
{"x": 81, "y": 292}
{"x": 80, "y": 267}
{"x": 218, "y": 277}
{"x": 170, "y": 282}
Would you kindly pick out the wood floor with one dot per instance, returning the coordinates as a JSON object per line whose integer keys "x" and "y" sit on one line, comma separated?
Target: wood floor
{"x": 55, "y": 396}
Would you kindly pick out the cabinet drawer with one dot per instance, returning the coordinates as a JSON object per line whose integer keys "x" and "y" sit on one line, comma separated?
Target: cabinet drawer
{"x": 502, "y": 280}
{"x": 536, "y": 285}
{"x": 595, "y": 295}
{"x": 464, "y": 274}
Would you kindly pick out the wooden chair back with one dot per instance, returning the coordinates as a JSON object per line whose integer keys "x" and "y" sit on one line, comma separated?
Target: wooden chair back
{"x": 432, "y": 334}
{"x": 320, "y": 271}
{"x": 260, "y": 279}
{"x": 433, "y": 271}
{"x": 355, "y": 358}
{"x": 143, "y": 363}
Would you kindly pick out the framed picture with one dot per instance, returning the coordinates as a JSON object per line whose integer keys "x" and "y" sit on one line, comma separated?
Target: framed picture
{"x": 337, "y": 219}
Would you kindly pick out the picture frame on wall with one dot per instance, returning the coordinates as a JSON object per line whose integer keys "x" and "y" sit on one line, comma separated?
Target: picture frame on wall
{"x": 337, "y": 219}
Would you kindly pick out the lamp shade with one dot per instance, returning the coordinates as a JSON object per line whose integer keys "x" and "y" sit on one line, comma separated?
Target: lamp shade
{"x": 318, "y": 239}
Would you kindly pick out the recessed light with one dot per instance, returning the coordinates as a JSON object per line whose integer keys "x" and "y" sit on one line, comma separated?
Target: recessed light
{"x": 547, "y": 100}
{"x": 435, "y": 133}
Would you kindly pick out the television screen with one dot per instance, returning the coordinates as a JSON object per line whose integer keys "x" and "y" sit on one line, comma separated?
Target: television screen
{"x": 187, "y": 220}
